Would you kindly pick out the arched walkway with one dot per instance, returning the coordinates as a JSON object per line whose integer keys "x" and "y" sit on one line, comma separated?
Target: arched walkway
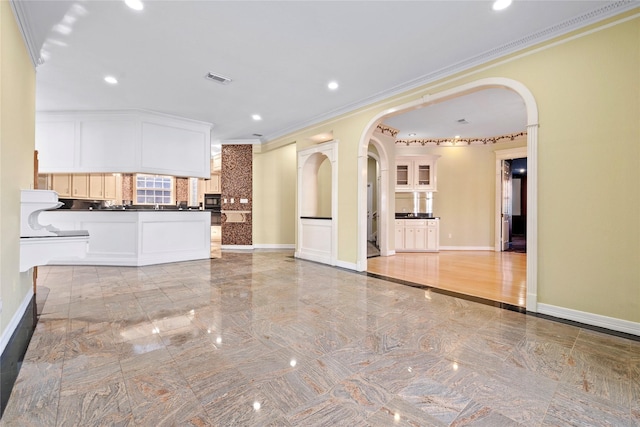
{"x": 532, "y": 166}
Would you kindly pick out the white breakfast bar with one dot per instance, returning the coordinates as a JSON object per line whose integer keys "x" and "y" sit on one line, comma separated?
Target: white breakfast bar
{"x": 136, "y": 237}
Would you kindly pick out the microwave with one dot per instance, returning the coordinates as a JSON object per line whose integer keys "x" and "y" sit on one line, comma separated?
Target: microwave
{"x": 213, "y": 202}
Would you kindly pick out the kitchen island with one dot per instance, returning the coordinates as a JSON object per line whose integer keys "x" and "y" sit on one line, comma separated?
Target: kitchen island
{"x": 136, "y": 237}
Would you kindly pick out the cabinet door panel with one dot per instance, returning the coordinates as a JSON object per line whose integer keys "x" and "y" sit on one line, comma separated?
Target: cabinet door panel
{"x": 403, "y": 175}
{"x": 96, "y": 186}
{"x": 420, "y": 238}
{"x": 80, "y": 185}
{"x": 399, "y": 232}
{"x": 55, "y": 142}
{"x": 61, "y": 184}
{"x": 110, "y": 187}
{"x": 107, "y": 144}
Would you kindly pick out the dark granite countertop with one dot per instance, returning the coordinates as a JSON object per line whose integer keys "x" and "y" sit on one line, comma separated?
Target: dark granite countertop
{"x": 411, "y": 215}
{"x": 121, "y": 209}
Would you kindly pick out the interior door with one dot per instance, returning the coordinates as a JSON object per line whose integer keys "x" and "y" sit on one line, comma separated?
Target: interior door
{"x": 505, "y": 234}
{"x": 369, "y": 211}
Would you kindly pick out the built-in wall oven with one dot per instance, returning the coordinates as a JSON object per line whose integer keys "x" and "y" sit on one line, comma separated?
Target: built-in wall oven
{"x": 213, "y": 203}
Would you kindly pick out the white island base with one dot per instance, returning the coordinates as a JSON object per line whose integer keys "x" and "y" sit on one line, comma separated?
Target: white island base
{"x": 136, "y": 238}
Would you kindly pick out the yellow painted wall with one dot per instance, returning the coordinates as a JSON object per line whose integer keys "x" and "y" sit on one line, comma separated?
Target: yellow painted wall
{"x": 274, "y": 196}
{"x": 586, "y": 86}
{"x": 465, "y": 200}
{"x": 17, "y": 142}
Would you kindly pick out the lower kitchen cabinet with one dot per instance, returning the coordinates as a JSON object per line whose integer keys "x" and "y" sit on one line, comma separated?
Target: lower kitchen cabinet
{"x": 417, "y": 235}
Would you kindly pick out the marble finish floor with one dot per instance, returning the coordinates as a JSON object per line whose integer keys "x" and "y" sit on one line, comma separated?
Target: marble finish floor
{"x": 261, "y": 339}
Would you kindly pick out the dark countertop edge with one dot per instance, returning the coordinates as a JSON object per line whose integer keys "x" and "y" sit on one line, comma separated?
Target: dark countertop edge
{"x": 418, "y": 217}
{"x": 315, "y": 217}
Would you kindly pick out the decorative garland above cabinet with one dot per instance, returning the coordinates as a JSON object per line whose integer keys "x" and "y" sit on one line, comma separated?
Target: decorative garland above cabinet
{"x": 416, "y": 173}
{"x": 129, "y": 141}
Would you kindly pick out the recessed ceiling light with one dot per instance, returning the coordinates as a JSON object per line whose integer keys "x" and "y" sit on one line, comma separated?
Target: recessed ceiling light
{"x": 111, "y": 80}
{"x": 412, "y": 134}
{"x": 256, "y": 117}
{"x": 501, "y": 4}
{"x": 333, "y": 85}
{"x": 134, "y": 4}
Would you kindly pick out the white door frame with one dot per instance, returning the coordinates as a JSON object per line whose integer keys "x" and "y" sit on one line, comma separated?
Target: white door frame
{"x": 532, "y": 170}
{"x": 509, "y": 154}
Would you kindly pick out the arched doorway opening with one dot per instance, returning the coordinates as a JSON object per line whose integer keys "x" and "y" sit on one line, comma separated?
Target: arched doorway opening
{"x": 532, "y": 142}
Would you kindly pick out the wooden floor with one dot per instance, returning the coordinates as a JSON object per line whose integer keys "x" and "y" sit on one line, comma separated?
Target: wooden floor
{"x": 497, "y": 276}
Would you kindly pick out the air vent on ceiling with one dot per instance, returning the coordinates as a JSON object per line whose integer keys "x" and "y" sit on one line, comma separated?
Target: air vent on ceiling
{"x": 218, "y": 78}
{"x": 259, "y": 135}
{"x": 463, "y": 121}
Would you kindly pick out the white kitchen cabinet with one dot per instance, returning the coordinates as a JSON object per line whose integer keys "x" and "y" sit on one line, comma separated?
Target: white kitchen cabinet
{"x": 417, "y": 235}
{"x": 399, "y": 233}
{"x": 433, "y": 235}
{"x": 416, "y": 173}
{"x": 128, "y": 141}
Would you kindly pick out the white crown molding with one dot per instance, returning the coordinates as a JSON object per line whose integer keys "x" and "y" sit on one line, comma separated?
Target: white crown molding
{"x": 541, "y": 36}
{"x": 22, "y": 19}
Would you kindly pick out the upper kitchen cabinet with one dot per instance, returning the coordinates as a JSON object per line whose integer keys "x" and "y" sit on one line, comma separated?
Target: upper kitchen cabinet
{"x": 416, "y": 173}
{"x": 123, "y": 141}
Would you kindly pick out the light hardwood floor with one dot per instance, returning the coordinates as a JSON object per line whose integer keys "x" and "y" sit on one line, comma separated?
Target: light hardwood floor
{"x": 497, "y": 276}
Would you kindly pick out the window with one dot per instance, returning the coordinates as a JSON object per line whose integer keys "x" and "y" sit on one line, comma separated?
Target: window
{"x": 154, "y": 189}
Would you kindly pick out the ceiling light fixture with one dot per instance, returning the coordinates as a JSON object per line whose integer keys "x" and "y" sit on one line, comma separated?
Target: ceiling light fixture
{"x": 333, "y": 85}
{"x": 501, "y": 4}
{"x": 412, "y": 134}
{"x": 256, "y": 117}
{"x": 111, "y": 80}
{"x": 134, "y": 4}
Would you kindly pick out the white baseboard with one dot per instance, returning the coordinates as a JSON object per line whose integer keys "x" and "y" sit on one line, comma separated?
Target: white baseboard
{"x": 467, "y": 248}
{"x": 237, "y": 247}
{"x": 274, "y": 246}
{"x": 606, "y": 322}
{"x": 15, "y": 320}
{"x": 348, "y": 265}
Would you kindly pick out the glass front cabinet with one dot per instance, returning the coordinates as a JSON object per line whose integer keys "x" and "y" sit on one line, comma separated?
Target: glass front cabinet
{"x": 416, "y": 173}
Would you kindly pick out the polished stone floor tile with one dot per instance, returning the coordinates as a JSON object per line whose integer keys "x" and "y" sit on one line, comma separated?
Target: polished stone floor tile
{"x": 261, "y": 339}
{"x": 571, "y": 408}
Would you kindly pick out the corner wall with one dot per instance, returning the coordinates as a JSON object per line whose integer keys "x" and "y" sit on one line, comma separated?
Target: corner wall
{"x": 17, "y": 144}
{"x": 274, "y": 189}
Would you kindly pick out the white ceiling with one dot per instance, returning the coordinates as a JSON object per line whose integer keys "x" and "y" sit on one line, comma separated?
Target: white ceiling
{"x": 281, "y": 55}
